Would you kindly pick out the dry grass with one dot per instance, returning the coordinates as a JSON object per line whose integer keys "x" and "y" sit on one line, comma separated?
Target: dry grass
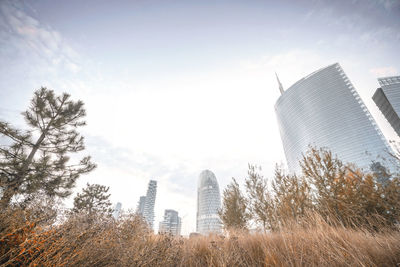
{"x": 318, "y": 247}
{"x": 82, "y": 241}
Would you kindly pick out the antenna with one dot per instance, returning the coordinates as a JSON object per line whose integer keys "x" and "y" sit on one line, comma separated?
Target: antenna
{"x": 279, "y": 83}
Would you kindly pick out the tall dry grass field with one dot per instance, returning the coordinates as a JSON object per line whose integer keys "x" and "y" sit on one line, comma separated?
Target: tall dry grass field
{"x": 99, "y": 241}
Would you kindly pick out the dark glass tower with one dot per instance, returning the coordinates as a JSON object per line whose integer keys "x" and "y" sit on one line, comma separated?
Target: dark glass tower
{"x": 387, "y": 98}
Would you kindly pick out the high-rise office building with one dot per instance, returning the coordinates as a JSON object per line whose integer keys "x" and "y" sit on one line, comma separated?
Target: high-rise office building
{"x": 387, "y": 98}
{"x": 324, "y": 110}
{"x": 171, "y": 223}
{"x": 146, "y": 203}
{"x": 208, "y": 204}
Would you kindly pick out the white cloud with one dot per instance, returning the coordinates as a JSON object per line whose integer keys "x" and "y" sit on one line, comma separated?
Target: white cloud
{"x": 30, "y": 36}
{"x": 378, "y": 36}
{"x": 389, "y": 4}
{"x": 384, "y": 71}
{"x": 290, "y": 66}
{"x": 167, "y": 128}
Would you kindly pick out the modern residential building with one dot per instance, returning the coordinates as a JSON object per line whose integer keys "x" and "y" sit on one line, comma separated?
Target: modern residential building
{"x": 324, "y": 110}
{"x": 117, "y": 211}
{"x": 387, "y": 98}
{"x": 208, "y": 204}
{"x": 146, "y": 203}
{"x": 171, "y": 223}
{"x": 140, "y": 206}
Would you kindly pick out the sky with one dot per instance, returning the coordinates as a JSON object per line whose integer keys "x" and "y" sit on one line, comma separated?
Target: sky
{"x": 175, "y": 87}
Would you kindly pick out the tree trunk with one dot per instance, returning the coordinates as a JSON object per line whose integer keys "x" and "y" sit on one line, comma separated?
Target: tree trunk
{"x": 11, "y": 191}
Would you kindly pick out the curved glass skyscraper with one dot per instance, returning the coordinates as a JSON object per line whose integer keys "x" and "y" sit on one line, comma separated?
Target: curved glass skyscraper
{"x": 323, "y": 109}
{"x": 208, "y": 204}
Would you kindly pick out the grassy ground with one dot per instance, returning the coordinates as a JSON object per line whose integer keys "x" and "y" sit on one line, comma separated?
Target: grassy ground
{"x": 103, "y": 242}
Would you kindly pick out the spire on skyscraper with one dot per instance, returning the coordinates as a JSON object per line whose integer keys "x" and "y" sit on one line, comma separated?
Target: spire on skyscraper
{"x": 280, "y": 85}
{"x": 321, "y": 109}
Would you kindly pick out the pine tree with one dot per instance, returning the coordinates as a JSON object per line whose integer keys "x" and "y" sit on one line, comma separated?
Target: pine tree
{"x": 36, "y": 160}
{"x": 234, "y": 213}
{"x": 93, "y": 199}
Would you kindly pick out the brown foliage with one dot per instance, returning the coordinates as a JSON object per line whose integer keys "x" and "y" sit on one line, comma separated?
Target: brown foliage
{"x": 341, "y": 193}
{"x": 234, "y": 212}
{"x": 128, "y": 242}
{"x": 349, "y": 194}
{"x": 334, "y": 214}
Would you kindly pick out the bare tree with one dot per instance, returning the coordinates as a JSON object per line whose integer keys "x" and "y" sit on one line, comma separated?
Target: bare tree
{"x": 260, "y": 201}
{"x": 234, "y": 213}
{"x": 291, "y": 195}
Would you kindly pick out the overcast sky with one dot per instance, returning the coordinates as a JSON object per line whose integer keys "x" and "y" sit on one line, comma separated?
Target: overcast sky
{"x": 175, "y": 87}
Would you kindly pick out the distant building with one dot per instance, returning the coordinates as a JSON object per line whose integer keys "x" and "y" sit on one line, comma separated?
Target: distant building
{"x": 387, "y": 98}
{"x": 194, "y": 235}
{"x": 140, "y": 207}
{"x": 323, "y": 109}
{"x": 171, "y": 223}
{"x": 117, "y": 210}
{"x": 146, "y": 203}
{"x": 208, "y": 204}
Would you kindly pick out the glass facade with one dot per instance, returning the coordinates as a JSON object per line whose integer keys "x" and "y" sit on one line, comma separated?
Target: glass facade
{"x": 387, "y": 98}
{"x": 208, "y": 204}
{"x": 324, "y": 110}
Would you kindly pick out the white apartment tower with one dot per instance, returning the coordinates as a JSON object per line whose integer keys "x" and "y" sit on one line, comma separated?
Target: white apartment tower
{"x": 171, "y": 224}
{"x": 117, "y": 210}
{"x": 146, "y": 203}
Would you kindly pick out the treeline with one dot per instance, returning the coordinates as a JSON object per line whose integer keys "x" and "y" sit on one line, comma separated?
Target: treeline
{"x": 332, "y": 214}
{"x": 341, "y": 194}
